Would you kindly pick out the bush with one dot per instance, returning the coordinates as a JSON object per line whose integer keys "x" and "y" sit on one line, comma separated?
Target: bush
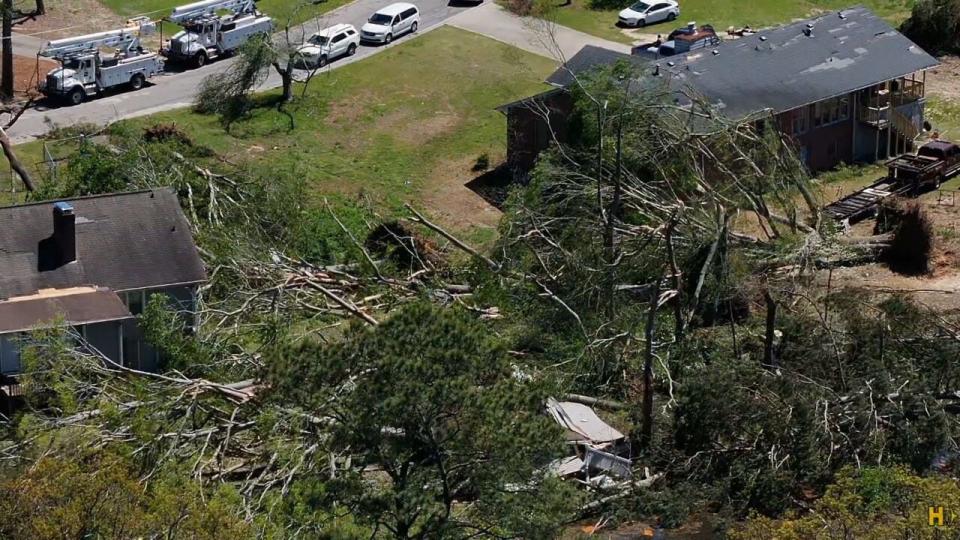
{"x": 934, "y": 25}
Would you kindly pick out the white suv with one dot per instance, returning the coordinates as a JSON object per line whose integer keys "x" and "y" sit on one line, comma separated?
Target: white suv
{"x": 647, "y": 12}
{"x": 390, "y": 22}
{"x": 327, "y": 44}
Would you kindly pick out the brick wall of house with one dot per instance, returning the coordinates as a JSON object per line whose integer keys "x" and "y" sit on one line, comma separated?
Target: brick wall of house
{"x": 822, "y": 147}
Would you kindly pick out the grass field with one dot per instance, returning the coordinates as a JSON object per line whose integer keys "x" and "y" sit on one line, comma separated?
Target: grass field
{"x": 415, "y": 138}
{"x": 720, "y": 13}
{"x": 280, "y": 10}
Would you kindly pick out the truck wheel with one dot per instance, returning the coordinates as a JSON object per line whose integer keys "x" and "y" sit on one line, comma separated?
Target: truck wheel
{"x": 200, "y": 59}
{"x": 352, "y": 49}
{"x": 75, "y": 97}
{"x": 136, "y": 82}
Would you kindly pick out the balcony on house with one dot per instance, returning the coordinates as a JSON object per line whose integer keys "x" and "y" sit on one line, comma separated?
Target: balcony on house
{"x": 877, "y": 102}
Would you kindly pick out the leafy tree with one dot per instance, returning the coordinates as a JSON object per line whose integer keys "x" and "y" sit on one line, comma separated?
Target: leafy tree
{"x": 429, "y": 397}
{"x": 228, "y": 94}
{"x": 868, "y": 504}
{"x": 97, "y": 495}
{"x": 934, "y": 25}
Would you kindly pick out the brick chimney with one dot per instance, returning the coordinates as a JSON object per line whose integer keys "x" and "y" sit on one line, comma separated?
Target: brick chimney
{"x": 64, "y": 233}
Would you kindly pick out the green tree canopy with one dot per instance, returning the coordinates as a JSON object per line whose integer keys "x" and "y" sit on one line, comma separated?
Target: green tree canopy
{"x": 430, "y": 399}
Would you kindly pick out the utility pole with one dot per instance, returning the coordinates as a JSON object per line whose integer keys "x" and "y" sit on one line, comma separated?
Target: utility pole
{"x": 7, "y": 75}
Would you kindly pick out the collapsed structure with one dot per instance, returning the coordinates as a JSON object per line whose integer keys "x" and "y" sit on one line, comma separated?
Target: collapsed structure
{"x": 599, "y": 449}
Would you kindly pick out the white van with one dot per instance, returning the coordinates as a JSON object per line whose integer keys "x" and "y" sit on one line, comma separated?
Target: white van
{"x": 391, "y": 22}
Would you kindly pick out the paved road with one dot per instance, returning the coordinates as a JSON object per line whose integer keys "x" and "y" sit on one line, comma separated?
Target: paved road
{"x": 175, "y": 90}
{"x": 528, "y": 33}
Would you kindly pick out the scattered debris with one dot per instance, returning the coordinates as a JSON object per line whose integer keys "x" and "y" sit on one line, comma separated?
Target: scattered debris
{"x": 166, "y": 132}
{"x": 582, "y": 424}
{"x": 598, "y": 460}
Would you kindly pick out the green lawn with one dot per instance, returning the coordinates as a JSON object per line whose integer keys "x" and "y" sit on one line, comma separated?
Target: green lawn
{"x": 944, "y": 116}
{"x": 280, "y": 10}
{"x": 720, "y": 13}
{"x": 400, "y": 126}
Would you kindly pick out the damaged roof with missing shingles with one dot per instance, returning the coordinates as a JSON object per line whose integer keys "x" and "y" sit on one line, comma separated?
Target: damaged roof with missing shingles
{"x": 82, "y": 305}
{"x": 782, "y": 68}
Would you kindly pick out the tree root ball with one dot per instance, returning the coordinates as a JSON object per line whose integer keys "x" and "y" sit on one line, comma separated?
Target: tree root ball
{"x": 911, "y": 249}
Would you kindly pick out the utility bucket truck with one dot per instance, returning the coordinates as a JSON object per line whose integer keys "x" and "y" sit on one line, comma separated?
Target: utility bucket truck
{"x": 96, "y": 62}
{"x": 214, "y": 28}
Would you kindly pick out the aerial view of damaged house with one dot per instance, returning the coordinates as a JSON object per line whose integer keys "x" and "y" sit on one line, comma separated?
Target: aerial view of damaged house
{"x": 844, "y": 87}
{"x": 92, "y": 264}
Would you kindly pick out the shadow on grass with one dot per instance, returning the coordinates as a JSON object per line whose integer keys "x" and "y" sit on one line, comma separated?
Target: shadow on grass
{"x": 494, "y": 185}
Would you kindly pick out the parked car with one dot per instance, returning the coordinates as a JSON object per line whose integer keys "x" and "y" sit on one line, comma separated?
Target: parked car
{"x": 649, "y": 12}
{"x": 328, "y": 44}
{"x": 391, "y": 22}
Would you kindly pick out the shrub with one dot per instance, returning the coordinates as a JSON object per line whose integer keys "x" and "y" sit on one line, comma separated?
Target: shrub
{"x": 934, "y": 25}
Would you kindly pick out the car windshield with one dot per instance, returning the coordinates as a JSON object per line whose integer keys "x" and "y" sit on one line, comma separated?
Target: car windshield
{"x": 640, "y": 7}
{"x": 380, "y": 18}
{"x": 319, "y": 40}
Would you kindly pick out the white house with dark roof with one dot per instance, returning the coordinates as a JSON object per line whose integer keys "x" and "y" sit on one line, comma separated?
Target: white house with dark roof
{"x": 844, "y": 87}
{"x": 92, "y": 263}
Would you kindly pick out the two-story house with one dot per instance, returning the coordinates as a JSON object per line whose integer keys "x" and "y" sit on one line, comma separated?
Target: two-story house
{"x": 844, "y": 87}
{"x": 92, "y": 264}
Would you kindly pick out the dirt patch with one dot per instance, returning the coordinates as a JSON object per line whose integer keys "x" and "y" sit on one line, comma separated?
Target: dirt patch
{"x": 65, "y": 18}
{"x": 453, "y": 202}
{"x": 418, "y": 130}
{"x": 939, "y": 289}
{"x": 27, "y": 71}
{"x": 939, "y": 292}
{"x": 944, "y": 80}
{"x": 348, "y": 110}
{"x": 639, "y": 36}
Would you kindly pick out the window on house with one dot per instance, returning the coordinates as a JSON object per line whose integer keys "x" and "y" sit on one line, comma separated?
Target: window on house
{"x": 831, "y": 111}
{"x": 10, "y": 353}
{"x": 135, "y": 302}
{"x": 798, "y": 121}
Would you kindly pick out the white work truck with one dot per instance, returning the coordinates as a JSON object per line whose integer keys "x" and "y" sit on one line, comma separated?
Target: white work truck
{"x": 93, "y": 63}
{"x": 207, "y": 34}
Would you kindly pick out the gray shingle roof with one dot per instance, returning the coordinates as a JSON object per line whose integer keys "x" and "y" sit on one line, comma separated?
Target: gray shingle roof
{"x": 124, "y": 241}
{"x": 782, "y": 68}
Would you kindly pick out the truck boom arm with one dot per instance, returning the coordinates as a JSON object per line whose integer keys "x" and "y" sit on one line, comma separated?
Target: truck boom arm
{"x": 126, "y": 39}
{"x": 209, "y": 8}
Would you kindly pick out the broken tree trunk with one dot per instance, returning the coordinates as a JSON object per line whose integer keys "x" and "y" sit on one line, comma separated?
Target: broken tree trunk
{"x": 15, "y": 163}
{"x": 595, "y": 402}
{"x": 646, "y": 426}
{"x": 7, "y": 75}
{"x": 769, "y": 358}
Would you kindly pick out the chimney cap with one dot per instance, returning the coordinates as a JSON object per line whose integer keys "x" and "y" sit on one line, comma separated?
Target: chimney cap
{"x": 63, "y": 208}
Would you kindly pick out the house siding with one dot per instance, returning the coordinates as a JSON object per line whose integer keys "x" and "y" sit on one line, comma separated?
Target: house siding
{"x": 120, "y": 341}
{"x": 828, "y": 146}
{"x": 528, "y": 133}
